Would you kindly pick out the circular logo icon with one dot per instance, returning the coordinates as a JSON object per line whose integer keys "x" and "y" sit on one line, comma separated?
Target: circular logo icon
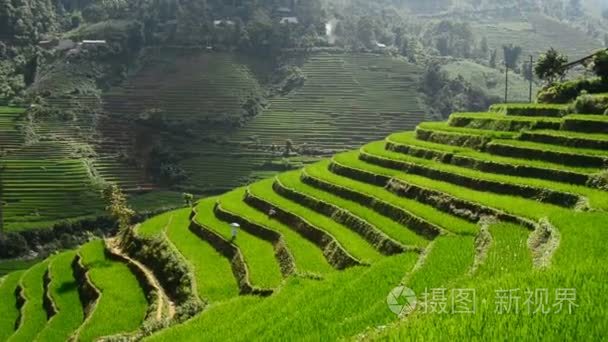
{"x": 401, "y": 300}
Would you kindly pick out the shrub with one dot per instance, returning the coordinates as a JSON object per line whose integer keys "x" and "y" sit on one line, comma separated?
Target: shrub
{"x": 12, "y": 246}
{"x": 567, "y": 91}
{"x": 589, "y": 104}
{"x": 600, "y": 65}
{"x": 549, "y": 66}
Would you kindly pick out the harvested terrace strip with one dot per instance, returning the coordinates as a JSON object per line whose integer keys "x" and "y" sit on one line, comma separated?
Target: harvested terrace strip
{"x": 127, "y": 301}
{"x": 421, "y": 218}
{"x": 352, "y": 242}
{"x": 9, "y": 305}
{"x": 258, "y": 267}
{"x": 524, "y": 187}
{"x": 407, "y": 143}
{"x": 62, "y": 290}
{"x": 308, "y": 257}
{"x": 31, "y": 291}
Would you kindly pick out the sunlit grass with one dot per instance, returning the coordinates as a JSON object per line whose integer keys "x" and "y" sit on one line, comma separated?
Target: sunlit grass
{"x": 64, "y": 292}
{"x": 121, "y": 309}
{"x": 212, "y": 271}
{"x": 308, "y": 257}
{"x": 8, "y": 304}
{"x": 259, "y": 256}
{"x": 391, "y": 228}
{"x": 446, "y": 221}
{"x": 353, "y": 243}
{"x": 597, "y": 198}
{"x": 33, "y": 317}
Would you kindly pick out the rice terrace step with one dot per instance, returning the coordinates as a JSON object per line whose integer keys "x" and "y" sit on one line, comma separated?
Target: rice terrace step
{"x": 315, "y": 170}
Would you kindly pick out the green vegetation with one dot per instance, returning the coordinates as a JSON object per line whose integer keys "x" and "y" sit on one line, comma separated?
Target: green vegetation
{"x": 490, "y": 80}
{"x": 391, "y": 228}
{"x": 259, "y": 254}
{"x": 308, "y": 257}
{"x": 212, "y": 272}
{"x": 353, "y": 243}
{"x": 9, "y": 312}
{"x": 294, "y": 311}
{"x": 64, "y": 293}
{"x": 472, "y": 219}
{"x": 32, "y": 318}
{"x": 228, "y": 124}
{"x": 126, "y": 301}
{"x": 8, "y": 266}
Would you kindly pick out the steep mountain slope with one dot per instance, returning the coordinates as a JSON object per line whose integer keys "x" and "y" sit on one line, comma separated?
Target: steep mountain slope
{"x": 461, "y": 212}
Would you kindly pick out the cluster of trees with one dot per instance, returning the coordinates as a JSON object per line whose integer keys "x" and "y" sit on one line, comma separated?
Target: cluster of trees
{"x": 445, "y": 95}
{"x": 247, "y": 24}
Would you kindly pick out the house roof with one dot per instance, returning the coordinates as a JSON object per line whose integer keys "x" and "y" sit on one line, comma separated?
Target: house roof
{"x": 289, "y": 20}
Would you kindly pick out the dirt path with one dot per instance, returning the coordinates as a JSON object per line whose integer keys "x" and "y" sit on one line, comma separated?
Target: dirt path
{"x": 164, "y": 300}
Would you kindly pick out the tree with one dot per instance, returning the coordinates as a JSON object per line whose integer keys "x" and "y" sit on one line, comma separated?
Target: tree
{"x": 483, "y": 47}
{"x": 600, "y": 65}
{"x": 288, "y": 147}
{"x": 493, "y": 57}
{"x": 511, "y": 54}
{"x": 550, "y": 66}
{"x": 2, "y": 236}
{"x": 117, "y": 207}
{"x": 189, "y": 199}
{"x": 366, "y": 32}
{"x": 574, "y": 8}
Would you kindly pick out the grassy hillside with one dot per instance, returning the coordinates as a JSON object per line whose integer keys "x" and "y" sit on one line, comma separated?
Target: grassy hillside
{"x": 509, "y": 200}
{"x": 492, "y": 80}
{"x": 537, "y": 33}
{"x": 44, "y": 181}
{"x": 343, "y": 95}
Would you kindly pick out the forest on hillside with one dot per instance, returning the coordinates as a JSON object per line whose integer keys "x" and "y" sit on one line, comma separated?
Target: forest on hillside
{"x": 200, "y": 96}
{"x": 422, "y": 31}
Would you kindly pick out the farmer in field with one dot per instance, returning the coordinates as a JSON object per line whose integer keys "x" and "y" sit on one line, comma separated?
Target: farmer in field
{"x": 271, "y": 213}
{"x": 234, "y": 227}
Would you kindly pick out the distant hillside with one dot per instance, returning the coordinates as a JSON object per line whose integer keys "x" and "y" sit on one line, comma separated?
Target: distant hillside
{"x": 346, "y": 99}
{"x": 537, "y": 33}
{"x": 492, "y": 81}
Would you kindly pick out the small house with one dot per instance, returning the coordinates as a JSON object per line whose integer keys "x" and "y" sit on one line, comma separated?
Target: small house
{"x": 290, "y": 20}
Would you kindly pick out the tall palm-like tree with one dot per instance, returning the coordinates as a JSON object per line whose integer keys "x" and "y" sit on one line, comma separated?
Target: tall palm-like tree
{"x": 2, "y": 168}
{"x": 511, "y": 54}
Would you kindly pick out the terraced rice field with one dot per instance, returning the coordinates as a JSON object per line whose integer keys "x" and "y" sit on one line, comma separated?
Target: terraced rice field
{"x": 43, "y": 182}
{"x": 438, "y": 210}
{"x": 536, "y": 34}
{"x": 10, "y": 136}
{"x": 343, "y": 96}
